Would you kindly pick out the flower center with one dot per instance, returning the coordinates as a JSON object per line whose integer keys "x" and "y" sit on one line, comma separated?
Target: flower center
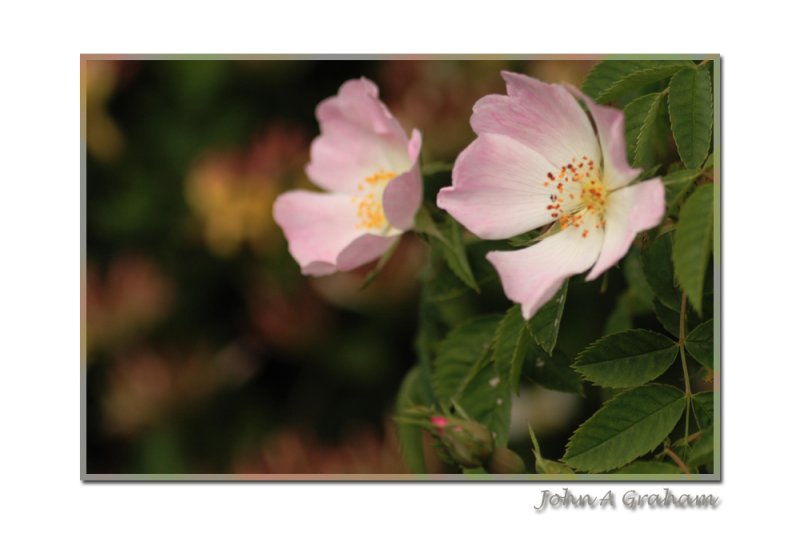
{"x": 579, "y": 198}
{"x": 369, "y": 203}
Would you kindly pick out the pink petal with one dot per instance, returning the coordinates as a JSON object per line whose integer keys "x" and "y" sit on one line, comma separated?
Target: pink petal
{"x": 629, "y": 210}
{"x": 358, "y": 101}
{"x": 322, "y": 232}
{"x": 414, "y": 145}
{"x": 543, "y": 116}
{"x": 403, "y": 196}
{"x": 359, "y": 138}
{"x": 363, "y": 250}
{"x": 610, "y": 123}
{"x": 532, "y": 276}
{"x": 498, "y": 188}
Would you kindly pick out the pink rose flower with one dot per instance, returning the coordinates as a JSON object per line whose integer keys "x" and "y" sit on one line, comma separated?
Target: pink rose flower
{"x": 369, "y": 170}
{"x": 538, "y": 161}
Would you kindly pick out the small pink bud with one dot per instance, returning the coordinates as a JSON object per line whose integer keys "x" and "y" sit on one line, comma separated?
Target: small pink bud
{"x": 439, "y": 423}
{"x": 468, "y": 443}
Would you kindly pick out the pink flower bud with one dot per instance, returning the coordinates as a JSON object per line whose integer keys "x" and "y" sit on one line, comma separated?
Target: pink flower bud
{"x": 469, "y": 443}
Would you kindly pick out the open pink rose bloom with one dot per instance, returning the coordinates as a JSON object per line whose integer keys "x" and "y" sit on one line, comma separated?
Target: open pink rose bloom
{"x": 538, "y": 161}
{"x": 369, "y": 170}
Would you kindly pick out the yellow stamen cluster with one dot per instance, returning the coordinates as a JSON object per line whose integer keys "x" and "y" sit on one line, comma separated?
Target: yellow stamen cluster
{"x": 579, "y": 195}
{"x": 369, "y": 203}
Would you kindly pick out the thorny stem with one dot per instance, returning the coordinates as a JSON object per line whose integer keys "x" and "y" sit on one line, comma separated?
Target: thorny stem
{"x": 681, "y": 343}
{"x": 678, "y": 461}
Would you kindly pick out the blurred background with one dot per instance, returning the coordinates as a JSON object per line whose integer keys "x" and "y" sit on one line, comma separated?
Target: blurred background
{"x": 206, "y": 350}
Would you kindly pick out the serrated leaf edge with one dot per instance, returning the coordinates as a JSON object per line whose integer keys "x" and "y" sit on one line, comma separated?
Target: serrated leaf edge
{"x": 603, "y": 97}
{"x": 648, "y": 122}
{"x": 681, "y": 150}
{"x": 682, "y": 399}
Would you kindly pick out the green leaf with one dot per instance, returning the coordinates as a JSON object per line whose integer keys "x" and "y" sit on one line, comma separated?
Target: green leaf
{"x": 634, "y": 275}
{"x": 463, "y": 375}
{"x": 449, "y": 242}
{"x": 534, "y": 441}
{"x": 461, "y": 354}
{"x": 626, "y": 359}
{"x": 709, "y": 161}
{"x": 700, "y": 344}
{"x": 553, "y": 371}
{"x": 455, "y": 254}
{"x": 691, "y": 112}
{"x": 621, "y": 317}
{"x": 652, "y": 171}
{"x": 626, "y": 427}
{"x": 640, "y": 131}
{"x": 703, "y": 406}
{"x": 678, "y": 184}
{"x": 443, "y": 285}
{"x": 693, "y": 239}
{"x": 525, "y": 239}
{"x": 702, "y": 451}
{"x": 545, "y": 324}
{"x": 474, "y": 471}
{"x": 657, "y": 267}
{"x": 669, "y": 318}
{"x": 611, "y": 79}
{"x": 425, "y": 344}
{"x": 511, "y": 343}
{"x": 409, "y": 436}
{"x": 543, "y": 465}
{"x": 424, "y": 224}
{"x": 648, "y": 467}
{"x": 487, "y": 399}
{"x": 551, "y": 467}
{"x": 532, "y": 237}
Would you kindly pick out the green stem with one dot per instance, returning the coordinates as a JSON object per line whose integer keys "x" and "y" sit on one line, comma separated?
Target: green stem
{"x": 681, "y": 343}
{"x": 425, "y": 339}
{"x": 473, "y": 372}
{"x": 677, "y": 459}
{"x": 689, "y": 440}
